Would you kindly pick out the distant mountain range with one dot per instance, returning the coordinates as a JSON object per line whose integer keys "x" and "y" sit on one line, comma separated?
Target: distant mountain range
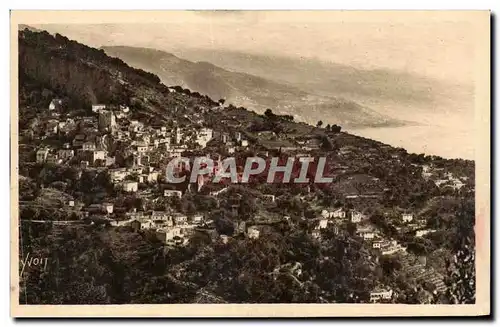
{"x": 251, "y": 91}
{"x": 381, "y": 86}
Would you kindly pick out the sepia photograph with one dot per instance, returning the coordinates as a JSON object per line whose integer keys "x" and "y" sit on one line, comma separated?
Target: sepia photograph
{"x": 250, "y": 163}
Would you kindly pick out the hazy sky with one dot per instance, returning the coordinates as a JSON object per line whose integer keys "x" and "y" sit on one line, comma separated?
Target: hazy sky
{"x": 435, "y": 47}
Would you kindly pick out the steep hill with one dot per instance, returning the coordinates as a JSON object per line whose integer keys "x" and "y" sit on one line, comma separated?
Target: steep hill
{"x": 51, "y": 66}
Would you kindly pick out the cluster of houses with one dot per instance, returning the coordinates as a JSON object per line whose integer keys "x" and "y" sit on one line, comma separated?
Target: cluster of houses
{"x": 169, "y": 227}
{"x": 443, "y": 179}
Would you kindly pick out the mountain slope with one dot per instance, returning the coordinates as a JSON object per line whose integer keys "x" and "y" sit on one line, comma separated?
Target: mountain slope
{"x": 56, "y": 66}
{"x": 248, "y": 90}
{"x": 333, "y": 79}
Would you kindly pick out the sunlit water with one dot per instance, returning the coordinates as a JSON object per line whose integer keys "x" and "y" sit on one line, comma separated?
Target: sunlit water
{"x": 447, "y": 142}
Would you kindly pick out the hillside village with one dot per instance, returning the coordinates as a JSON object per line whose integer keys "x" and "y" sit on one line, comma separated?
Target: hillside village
{"x": 101, "y": 166}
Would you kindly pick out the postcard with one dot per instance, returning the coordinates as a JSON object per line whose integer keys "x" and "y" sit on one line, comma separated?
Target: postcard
{"x": 250, "y": 163}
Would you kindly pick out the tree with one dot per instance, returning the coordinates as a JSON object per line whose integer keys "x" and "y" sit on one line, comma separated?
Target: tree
{"x": 335, "y": 128}
{"x": 328, "y": 127}
{"x": 221, "y": 102}
{"x": 269, "y": 114}
{"x": 319, "y": 124}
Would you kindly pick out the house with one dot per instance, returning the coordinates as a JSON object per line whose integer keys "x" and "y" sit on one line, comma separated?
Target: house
{"x": 109, "y": 161}
{"x": 326, "y": 213}
{"x": 129, "y": 186}
{"x": 52, "y": 127}
{"x": 222, "y": 136}
{"x": 339, "y": 213}
{"x": 140, "y": 225}
{"x": 98, "y": 155}
{"x": 65, "y": 154}
{"x": 141, "y": 147}
{"x": 368, "y": 235}
{"x": 152, "y": 177}
{"x": 78, "y": 140}
{"x": 55, "y": 104}
{"x": 172, "y": 193}
{"x": 380, "y": 294}
{"x": 224, "y": 239}
{"x": 366, "y": 232}
{"x": 204, "y": 135}
{"x": 136, "y": 215}
{"x": 135, "y": 126}
{"x": 216, "y": 193}
{"x": 269, "y": 197}
{"x": 239, "y": 227}
{"x": 407, "y": 217}
{"x": 180, "y": 219}
{"x": 124, "y": 109}
{"x": 118, "y": 174}
{"x": 53, "y": 159}
{"x": 197, "y": 219}
{"x": 107, "y": 207}
{"x": 94, "y": 208}
{"x": 380, "y": 244}
{"x": 422, "y": 232}
{"x": 266, "y": 134}
{"x": 323, "y": 223}
{"x": 316, "y": 234}
{"x": 391, "y": 249}
{"x": 253, "y": 232}
{"x": 167, "y": 235}
{"x": 88, "y": 146}
{"x": 163, "y": 216}
{"x": 356, "y": 216}
{"x": 98, "y": 107}
{"x": 41, "y": 155}
{"x": 244, "y": 143}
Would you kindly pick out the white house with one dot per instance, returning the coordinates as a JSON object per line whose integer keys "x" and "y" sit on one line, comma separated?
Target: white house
{"x": 129, "y": 186}
{"x": 41, "y": 155}
{"x": 323, "y": 223}
{"x": 269, "y": 197}
{"x": 407, "y": 217}
{"x": 66, "y": 154}
{"x": 143, "y": 224}
{"x": 118, "y": 174}
{"x": 391, "y": 249}
{"x": 253, "y": 232}
{"x": 356, "y": 216}
{"x": 107, "y": 207}
{"x": 197, "y": 219}
{"x": 53, "y": 159}
{"x": 224, "y": 239}
{"x": 368, "y": 235}
{"x": 98, "y": 107}
{"x": 203, "y": 136}
{"x": 98, "y": 155}
{"x": 54, "y": 104}
{"x": 180, "y": 219}
{"x": 339, "y": 213}
{"x": 316, "y": 234}
{"x": 422, "y": 232}
{"x": 172, "y": 193}
{"x": 88, "y": 146}
{"x": 167, "y": 235}
{"x": 378, "y": 295}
